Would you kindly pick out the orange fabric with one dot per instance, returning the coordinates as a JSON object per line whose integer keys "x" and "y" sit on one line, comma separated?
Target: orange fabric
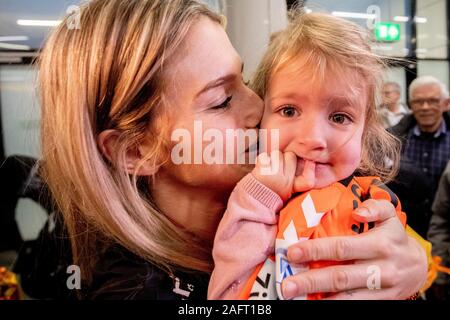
{"x": 328, "y": 212}
{"x": 9, "y": 286}
{"x": 247, "y": 290}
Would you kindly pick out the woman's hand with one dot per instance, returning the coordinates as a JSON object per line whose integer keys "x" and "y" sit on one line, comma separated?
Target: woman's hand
{"x": 400, "y": 259}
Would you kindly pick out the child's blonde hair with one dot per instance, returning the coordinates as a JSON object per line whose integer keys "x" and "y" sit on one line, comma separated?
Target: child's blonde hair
{"x": 109, "y": 75}
{"x": 330, "y": 44}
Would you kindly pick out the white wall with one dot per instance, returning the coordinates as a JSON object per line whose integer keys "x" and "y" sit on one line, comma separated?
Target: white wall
{"x": 398, "y": 75}
{"x": 20, "y": 123}
{"x": 438, "y": 69}
{"x": 432, "y": 35}
{"x": 250, "y": 24}
{"x": 20, "y": 110}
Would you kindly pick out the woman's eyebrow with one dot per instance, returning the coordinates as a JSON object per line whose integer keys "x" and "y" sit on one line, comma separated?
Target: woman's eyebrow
{"x": 221, "y": 81}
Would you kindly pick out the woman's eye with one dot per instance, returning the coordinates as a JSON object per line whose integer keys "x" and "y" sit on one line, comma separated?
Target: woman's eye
{"x": 288, "y": 112}
{"x": 340, "y": 118}
{"x": 223, "y": 105}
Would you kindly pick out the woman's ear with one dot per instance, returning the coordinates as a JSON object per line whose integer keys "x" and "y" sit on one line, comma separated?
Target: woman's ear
{"x": 108, "y": 144}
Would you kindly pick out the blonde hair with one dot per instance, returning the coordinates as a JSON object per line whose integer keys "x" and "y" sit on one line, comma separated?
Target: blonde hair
{"x": 333, "y": 44}
{"x": 108, "y": 74}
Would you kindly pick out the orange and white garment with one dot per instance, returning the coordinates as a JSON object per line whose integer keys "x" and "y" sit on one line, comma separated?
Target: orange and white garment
{"x": 249, "y": 234}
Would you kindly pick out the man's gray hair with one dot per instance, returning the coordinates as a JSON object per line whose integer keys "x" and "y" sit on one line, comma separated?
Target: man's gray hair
{"x": 427, "y": 80}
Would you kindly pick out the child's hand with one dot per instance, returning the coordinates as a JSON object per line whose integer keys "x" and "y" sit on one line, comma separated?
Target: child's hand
{"x": 277, "y": 172}
{"x": 307, "y": 180}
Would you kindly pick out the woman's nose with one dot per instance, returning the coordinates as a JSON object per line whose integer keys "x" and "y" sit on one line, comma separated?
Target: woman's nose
{"x": 253, "y": 110}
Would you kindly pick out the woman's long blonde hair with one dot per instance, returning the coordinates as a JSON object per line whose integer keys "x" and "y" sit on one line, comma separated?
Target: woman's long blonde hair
{"x": 108, "y": 74}
{"x": 333, "y": 45}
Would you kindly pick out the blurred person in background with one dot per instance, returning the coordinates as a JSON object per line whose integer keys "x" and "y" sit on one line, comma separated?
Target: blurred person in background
{"x": 439, "y": 236}
{"x": 426, "y": 133}
{"x": 392, "y": 110}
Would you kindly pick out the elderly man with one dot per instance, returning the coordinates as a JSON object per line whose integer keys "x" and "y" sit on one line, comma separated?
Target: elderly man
{"x": 426, "y": 133}
{"x": 392, "y": 110}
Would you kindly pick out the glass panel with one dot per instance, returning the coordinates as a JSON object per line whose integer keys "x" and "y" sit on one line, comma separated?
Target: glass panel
{"x": 20, "y": 110}
{"x": 438, "y": 69}
{"x": 250, "y": 26}
{"x": 20, "y": 123}
{"x": 431, "y": 24}
{"x": 397, "y": 74}
{"x": 363, "y": 13}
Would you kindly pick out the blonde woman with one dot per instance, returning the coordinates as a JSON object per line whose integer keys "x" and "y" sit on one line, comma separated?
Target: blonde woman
{"x": 113, "y": 92}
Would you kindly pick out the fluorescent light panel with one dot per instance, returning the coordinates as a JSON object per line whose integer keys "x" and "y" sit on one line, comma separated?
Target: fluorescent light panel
{"x": 4, "y": 45}
{"x": 38, "y": 23}
{"x": 406, "y": 19}
{"x": 401, "y": 18}
{"x": 420, "y": 20}
{"x": 14, "y": 38}
{"x": 355, "y": 15}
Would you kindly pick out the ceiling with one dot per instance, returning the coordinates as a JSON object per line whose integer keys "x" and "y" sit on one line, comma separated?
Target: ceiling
{"x": 12, "y": 10}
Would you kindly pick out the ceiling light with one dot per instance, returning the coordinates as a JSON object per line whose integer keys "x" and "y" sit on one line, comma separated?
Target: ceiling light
{"x": 38, "y": 23}
{"x": 14, "y": 38}
{"x": 355, "y": 15}
{"x": 401, "y": 18}
{"x": 11, "y": 46}
{"x": 420, "y": 20}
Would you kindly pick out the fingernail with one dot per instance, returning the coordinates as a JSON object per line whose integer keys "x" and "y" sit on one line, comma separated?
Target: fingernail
{"x": 289, "y": 289}
{"x": 295, "y": 255}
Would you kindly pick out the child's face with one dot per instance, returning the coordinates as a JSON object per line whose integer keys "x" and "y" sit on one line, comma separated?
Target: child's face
{"x": 321, "y": 123}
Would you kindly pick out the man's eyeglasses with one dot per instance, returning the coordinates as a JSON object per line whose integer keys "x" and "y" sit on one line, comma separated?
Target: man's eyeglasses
{"x": 416, "y": 103}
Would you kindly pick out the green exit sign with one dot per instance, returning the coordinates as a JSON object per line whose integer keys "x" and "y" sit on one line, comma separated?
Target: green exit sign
{"x": 387, "y": 32}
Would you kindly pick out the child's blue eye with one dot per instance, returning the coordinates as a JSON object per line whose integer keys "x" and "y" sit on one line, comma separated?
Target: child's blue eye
{"x": 224, "y": 104}
{"x": 288, "y": 112}
{"x": 340, "y": 118}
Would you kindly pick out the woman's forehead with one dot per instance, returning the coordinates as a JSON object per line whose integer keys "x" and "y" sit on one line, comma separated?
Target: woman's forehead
{"x": 205, "y": 55}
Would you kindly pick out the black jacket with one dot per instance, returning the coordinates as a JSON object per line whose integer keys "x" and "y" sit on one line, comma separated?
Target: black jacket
{"x": 43, "y": 263}
{"x": 402, "y": 129}
{"x": 411, "y": 185}
{"x": 121, "y": 275}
